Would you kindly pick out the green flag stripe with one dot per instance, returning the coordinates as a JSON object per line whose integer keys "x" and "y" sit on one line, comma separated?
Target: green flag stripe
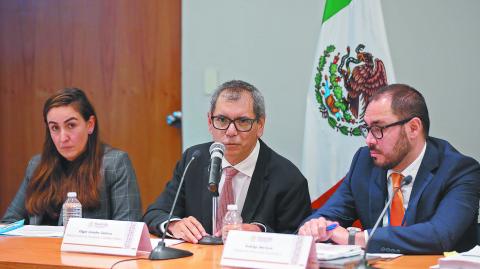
{"x": 332, "y": 7}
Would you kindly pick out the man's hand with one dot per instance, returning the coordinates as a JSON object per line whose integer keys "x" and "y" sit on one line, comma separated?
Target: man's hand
{"x": 188, "y": 229}
{"x": 318, "y": 229}
{"x": 244, "y": 227}
{"x": 340, "y": 236}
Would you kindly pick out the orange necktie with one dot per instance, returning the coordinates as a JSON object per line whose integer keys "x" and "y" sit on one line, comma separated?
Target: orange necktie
{"x": 396, "y": 210}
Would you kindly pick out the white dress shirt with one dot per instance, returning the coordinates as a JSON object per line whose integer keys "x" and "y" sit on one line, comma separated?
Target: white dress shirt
{"x": 241, "y": 181}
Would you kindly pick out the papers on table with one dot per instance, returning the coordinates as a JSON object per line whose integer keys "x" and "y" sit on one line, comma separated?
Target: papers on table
{"x": 37, "y": 231}
{"x": 465, "y": 260}
{"x": 383, "y": 255}
{"x": 330, "y": 252}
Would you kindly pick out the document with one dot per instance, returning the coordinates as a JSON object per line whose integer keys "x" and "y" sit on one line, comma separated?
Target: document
{"x": 383, "y": 255}
{"x": 37, "y": 231}
{"x": 464, "y": 260}
{"x": 330, "y": 251}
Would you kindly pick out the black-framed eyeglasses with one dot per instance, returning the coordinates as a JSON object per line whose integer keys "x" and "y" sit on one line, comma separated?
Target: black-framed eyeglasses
{"x": 242, "y": 124}
{"x": 377, "y": 131}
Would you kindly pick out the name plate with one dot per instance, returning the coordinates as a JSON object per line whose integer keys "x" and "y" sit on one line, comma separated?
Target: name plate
{"x": 268, "y": 250}
{"x": 106, "y": 237}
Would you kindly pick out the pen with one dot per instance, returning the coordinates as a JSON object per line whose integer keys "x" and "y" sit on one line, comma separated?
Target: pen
{"x": 331, "y": 226}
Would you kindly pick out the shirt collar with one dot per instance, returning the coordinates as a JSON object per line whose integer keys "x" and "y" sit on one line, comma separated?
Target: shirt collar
{"x": 412, "y": 169}
{"x": 247, "y": 166}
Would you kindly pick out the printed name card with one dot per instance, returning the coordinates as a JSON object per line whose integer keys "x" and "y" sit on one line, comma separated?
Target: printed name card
{"x": 268, "y": 250}
{"x": 106, "y": 237}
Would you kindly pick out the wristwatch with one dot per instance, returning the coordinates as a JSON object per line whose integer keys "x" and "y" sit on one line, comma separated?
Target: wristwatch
{"x": 351, "y": 234}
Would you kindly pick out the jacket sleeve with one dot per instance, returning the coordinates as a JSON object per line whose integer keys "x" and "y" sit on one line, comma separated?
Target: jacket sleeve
{"x": 158, "y": 212}
{"x": 293, "y": 207}
{"x": 124, "y": 192}
{"x": 16, "y": 210}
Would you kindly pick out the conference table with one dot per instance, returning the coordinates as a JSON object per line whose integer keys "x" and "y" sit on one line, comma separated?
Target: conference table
{"x": 40, "y": 253}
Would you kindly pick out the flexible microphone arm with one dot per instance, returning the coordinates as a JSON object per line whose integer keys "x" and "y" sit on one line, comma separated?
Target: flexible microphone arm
{"x": 363, "y": 263}
{"x": 161, "y": 252}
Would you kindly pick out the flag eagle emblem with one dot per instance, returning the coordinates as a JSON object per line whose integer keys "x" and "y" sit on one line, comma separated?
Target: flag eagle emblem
{"x": 343, "y": 90}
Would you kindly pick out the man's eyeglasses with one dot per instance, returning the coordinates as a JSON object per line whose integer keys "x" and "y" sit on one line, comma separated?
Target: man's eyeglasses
{"x": 241, "y": 124}
{"x": 377, "y": 131}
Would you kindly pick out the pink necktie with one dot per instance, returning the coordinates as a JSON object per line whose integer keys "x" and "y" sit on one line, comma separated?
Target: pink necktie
{"x": 396, "y": 210}
{"x": 226, "y": 197}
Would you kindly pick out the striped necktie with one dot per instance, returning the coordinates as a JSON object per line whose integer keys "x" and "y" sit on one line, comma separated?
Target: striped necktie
{"x": 226, "y": 197}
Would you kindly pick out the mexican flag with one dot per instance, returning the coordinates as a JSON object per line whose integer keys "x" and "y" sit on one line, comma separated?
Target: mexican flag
{"x": 351, "y": 63}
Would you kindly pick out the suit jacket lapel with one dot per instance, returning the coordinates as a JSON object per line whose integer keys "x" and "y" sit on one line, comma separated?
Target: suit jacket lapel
{"x": 258, "y": 184}
{"x": 424, "y": 176}
{"x": 377, "y": 194}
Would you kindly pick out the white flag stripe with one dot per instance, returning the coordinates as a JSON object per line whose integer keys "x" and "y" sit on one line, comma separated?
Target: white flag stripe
{"x": 327, "y": 152}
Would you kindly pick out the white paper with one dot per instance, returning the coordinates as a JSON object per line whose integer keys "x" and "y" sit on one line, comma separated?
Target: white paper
{"x": 37, "y": 231}
{"x": 331, "y": 251}
{"x": 473, "y": 252}
{"x": 469, "y": 259}
{"x": 384, "y": 255}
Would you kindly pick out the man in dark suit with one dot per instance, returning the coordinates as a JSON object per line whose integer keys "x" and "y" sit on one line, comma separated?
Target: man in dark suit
{"x": 269, "y": 190}
{"x": 436, "y": 212}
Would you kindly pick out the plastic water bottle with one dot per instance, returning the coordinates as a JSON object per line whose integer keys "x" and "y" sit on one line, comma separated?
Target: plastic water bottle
{"x": 72, "y": 208}
{"x": 232, "y": 218}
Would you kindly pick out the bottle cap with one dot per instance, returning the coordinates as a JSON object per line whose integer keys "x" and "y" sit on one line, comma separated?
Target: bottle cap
{"x": 232, "y": 207}
{"x": 71, "y": 194}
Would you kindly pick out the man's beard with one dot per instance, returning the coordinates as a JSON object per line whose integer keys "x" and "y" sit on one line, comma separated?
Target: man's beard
{"x": 399, "y": 151}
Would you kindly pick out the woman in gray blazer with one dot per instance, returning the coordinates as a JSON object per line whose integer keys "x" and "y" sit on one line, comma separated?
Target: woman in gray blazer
{"x": 74, "y": 159}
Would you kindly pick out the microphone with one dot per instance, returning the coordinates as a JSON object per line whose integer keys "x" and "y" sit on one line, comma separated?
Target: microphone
{"x": 363, "y": 262}
{"x": 162, "y": 252}
{"x": 216, "y": 155}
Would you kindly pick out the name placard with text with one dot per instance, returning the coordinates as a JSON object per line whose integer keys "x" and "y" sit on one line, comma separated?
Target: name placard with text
{"x": 268, "y": 250}
{"x": 106, "y": 237}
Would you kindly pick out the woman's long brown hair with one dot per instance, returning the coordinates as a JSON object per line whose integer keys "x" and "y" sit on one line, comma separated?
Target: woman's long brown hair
{"x": 50, "y": 183}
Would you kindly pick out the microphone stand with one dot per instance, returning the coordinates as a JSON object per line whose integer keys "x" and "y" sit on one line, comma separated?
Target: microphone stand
{"x": 363, "y": 264}
{"x": 161, "y": 251}
{"x": 216, "y": 152}
{"x": 211, "y": 239}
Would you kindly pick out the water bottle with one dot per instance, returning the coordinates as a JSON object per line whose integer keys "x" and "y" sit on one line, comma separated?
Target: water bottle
{"x": 232, "y": 218}
{"x": 71, "y": 208}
